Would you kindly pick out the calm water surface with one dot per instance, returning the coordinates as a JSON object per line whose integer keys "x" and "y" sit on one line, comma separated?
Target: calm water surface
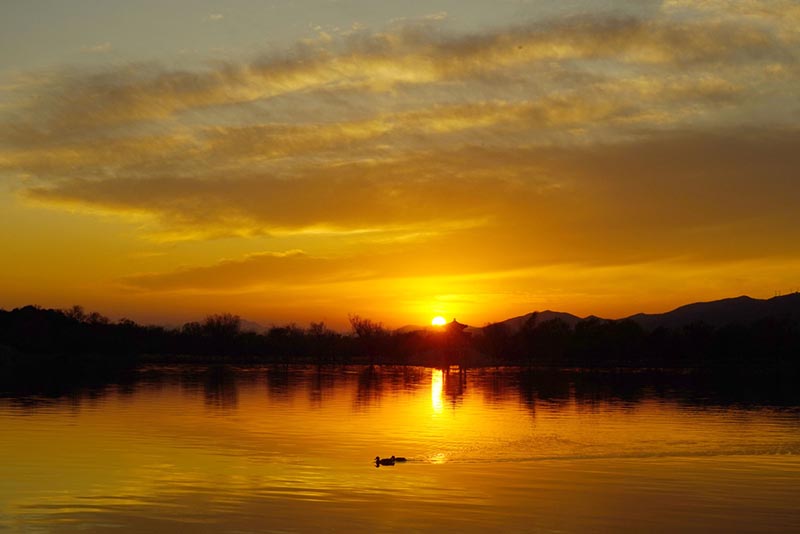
{"x": 264, "y": 449}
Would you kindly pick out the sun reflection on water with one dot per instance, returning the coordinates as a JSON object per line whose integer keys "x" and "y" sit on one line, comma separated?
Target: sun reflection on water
{"x": 438, "y": 458}
{"x": 437, "y": 380}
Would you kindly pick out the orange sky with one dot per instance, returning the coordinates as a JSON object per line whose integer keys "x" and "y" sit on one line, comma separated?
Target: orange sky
{"x": 476, "y": 160}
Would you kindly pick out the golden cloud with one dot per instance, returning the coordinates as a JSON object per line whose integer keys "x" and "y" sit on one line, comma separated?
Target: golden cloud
{"x": 687, "y": 196}
{"x": 583, "y": 130}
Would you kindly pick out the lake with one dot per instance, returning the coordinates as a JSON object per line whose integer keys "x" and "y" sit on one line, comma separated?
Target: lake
{"x": 291, "y": 449}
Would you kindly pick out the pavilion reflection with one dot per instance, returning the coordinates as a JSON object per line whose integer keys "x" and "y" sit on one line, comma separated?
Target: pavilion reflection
{"x": 447, "y": 385}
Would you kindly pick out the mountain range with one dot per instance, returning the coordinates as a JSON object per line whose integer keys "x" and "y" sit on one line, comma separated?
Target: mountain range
{"x": 741, "y": 310}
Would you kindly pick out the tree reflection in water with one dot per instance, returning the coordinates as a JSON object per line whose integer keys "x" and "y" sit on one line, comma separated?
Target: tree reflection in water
{"x": 220, "y": 388}
{"x": 219, "y": 384}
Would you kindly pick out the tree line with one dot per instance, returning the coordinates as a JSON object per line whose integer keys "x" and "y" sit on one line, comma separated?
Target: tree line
{"x": 595, "y": 342}
{"x": 72, "y": 337}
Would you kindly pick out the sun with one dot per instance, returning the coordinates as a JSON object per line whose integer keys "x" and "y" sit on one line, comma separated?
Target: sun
{"x": 438, "y": 321}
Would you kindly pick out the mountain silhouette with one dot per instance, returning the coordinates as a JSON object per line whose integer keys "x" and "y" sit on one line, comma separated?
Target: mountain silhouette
{"x": 515, "y": 324}
{"x": 416, "y": 328}
{"x": 742, "y": 310}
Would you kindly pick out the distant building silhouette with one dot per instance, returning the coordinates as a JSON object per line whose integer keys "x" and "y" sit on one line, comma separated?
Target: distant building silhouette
{"x": 456, "y": 343}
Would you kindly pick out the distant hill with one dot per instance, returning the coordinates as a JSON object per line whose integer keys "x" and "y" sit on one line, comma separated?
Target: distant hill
{"x": 422, "y": 328}
{"x": 720, "y": 312}
{"x": 515, "y": 324}
{"x": 742, "y": 310}
{"x": 413, "y": 328}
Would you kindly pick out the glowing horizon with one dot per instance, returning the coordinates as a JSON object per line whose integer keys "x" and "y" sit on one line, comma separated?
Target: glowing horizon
{"x": 459, "y": 159}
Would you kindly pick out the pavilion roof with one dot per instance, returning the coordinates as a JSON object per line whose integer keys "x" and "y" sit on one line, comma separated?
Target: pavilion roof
{"x": 455, "y": 325}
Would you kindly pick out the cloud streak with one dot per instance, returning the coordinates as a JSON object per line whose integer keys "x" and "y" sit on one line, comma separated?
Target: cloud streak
{"x": 642, "y": 200}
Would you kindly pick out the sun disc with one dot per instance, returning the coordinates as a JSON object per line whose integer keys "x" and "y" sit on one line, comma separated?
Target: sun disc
{"x": 438, "y": 321}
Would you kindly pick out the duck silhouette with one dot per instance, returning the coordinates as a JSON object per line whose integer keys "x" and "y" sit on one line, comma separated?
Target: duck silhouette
{"x": 384, "y": 461}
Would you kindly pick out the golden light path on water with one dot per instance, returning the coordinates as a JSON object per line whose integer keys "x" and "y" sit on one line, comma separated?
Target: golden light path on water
{"x": 437, "y": 404}
{"x": 436, "y": 390}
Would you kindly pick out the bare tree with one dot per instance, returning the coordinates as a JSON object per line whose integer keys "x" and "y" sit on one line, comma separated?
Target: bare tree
{"x": 224, "y": 325}
{"x": 76, "y": 312}
{"x": 365, "y": 328}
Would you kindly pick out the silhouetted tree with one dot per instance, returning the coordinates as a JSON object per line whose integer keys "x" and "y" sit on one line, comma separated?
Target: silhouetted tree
{"x": 95, "y": 318}
{"x": 322, "y": 343}
{"x": 495, "y": 342}
{"x": 371, "y": 336}
{"x": 76, "y": 312}
{"x": 220, "y": 332}
{"x": 223, "y": 325}
{"x": 365, "y": 328}
{"x": 287, "y": 342}
{"x": 549, "y": 341}
{"x": 193, "y": 328}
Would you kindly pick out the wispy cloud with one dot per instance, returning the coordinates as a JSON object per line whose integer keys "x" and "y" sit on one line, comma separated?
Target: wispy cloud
{"x": 97, "y": 48}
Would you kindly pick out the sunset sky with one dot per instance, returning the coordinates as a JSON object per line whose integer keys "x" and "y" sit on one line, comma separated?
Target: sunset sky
{"x": 299, "y": 160}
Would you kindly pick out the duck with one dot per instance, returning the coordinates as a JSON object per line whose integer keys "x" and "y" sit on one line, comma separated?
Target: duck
{"x": 385, "y": 461}
{"x": 399, "y": 458}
